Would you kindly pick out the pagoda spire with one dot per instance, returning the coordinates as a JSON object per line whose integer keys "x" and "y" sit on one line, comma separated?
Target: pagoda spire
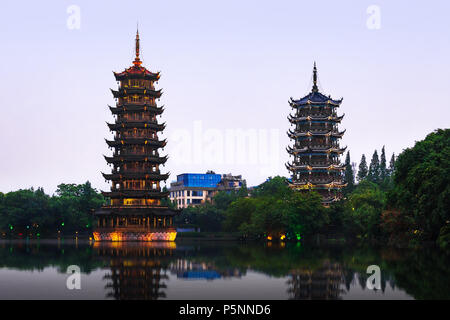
{"x": 315, "y": 88}
{"x": 137, "y": 62}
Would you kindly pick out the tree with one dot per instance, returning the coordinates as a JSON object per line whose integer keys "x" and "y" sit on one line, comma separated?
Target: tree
{"x": 383, "y": 168}
{"x": 349, "y": 175}
{"x": 238, "y": 213}
{"x": 362, "y": 216}
{"x": 374, "y": 169}
{"x": 422, "y": 183}
{"x": 277, "y": 186}
{"x": 362, "y": 171}
{"x": 391, "y": 165}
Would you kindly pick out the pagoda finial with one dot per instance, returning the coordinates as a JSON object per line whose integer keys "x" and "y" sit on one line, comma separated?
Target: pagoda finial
{"x": 137, "y": 62}
{"x": 315, "y": 88}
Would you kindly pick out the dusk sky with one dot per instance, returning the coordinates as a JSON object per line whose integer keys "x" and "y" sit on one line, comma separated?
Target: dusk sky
{"x": 228, "y": 70}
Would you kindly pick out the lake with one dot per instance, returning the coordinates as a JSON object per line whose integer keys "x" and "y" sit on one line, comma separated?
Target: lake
{"x": 218, "y": 270}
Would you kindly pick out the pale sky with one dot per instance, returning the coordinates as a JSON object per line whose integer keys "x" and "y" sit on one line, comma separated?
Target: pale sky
{"x": 227, "y": 69}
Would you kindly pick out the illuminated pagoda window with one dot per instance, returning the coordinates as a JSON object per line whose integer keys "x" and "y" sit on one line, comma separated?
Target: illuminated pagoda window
{"x": 135, "y": 211}
{"x": 316, "y": 152}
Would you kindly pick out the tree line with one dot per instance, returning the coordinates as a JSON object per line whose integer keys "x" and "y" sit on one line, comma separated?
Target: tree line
{"x": 403, "y": 203}
{"x": 406, "y": 201}
{"x": 33, "y": 213}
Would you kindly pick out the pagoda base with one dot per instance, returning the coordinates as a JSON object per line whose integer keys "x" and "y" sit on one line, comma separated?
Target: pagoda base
{"x": 134, "y": 234}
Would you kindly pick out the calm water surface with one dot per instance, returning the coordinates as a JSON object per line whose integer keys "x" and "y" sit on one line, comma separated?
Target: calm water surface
{"x": 217, "y": 270}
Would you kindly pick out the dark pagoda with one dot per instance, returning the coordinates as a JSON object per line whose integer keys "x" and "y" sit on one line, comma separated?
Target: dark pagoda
{"x": 135, "y": 211}
{"x": 316, "y": 150}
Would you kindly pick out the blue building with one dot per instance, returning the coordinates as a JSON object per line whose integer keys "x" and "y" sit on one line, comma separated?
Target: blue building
{"x": 192, "y": 189}
{"x": 201, "y": 180}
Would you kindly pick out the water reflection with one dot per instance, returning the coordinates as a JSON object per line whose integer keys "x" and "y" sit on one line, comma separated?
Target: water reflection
{"x": 324, "y": 282}
{"x": 136, "y": 271}
{"x": 220, "y": 271}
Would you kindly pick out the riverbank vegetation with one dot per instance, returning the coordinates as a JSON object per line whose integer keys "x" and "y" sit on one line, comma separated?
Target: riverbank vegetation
{"x": 33, "y": 213}
{"x": 403, "y": 202}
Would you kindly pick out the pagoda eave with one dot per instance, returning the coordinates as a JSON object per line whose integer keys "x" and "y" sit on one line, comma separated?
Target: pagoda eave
{"x": 134, "y": 158}
{"x": 123, "y": 108}
{"x": 135, "y": 194}
{"x": 136, "y": 141}
{"x": 137, "y": 124}
{"x": 136, "y": 175}
{"x": 129, "y": 91}
{"x": 138, "y": 210}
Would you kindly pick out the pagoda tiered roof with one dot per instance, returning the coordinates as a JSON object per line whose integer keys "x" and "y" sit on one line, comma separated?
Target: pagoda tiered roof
{"x": 330, "y": 184}
{"x": 308, "y": 167}
{"x": 123, "y": 92}
{"x": 136, "y": 72}
{"x": 308, "y": 133}
{"x": 315, "y": 134}
{"x": 136, "y": 210}
{"x": 136, "y": 175}
{"x": 134, "y": 158}
{"x": 315, "y": 98}
{"x": 136, "y": 107}
{"x": 139, "y": 141}
{"x": 131, "y": 193}
{"x": 293, "y": 119}
{"x": 137, "y": 124}
{"x": 313, "y": 150}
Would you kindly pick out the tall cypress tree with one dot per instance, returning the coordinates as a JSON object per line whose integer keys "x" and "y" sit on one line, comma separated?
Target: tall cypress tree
{"x": 383, "y": 168}
{"x": 392, "y": 165}
{"x": 362, "y": 171}
{"x": 349, "y": 174}
{"x": 374, "y": 168}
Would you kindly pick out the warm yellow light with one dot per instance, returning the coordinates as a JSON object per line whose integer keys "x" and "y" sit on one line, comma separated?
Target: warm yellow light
{"x": 116, "y": 236}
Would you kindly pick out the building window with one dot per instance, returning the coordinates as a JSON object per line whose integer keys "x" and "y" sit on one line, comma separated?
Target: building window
{"x": 197, "y": 193}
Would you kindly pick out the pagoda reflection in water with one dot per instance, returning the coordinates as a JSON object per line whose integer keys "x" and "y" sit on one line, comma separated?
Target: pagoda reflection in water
{"x": 138, "y": 271}
{"x": 324, "y": 283}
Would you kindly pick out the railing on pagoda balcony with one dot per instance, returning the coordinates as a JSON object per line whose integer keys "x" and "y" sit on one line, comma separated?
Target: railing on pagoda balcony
{"x": 138, "y": 170}
{"x": 142, "y": 135}
{"x": 156, "y": 189}
{"x": 317, "y": 163}
{"x": 319, "y": 181}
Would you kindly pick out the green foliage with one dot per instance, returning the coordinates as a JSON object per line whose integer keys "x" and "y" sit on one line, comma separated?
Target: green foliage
{"x": 275, "y": 209}
{"x": 239, "y": 213}
{"x": 349, "y": 174}
{"x": 210, "y": 216}
{"x": 362, "y": 171}
{"x": 444, "y": 237}
{"x": 33, "y": 212}
{"x": 374, "y": 168}
{"x": 166, "y": 201}
{"x": 362, "y": 213}
{"x": 276, "y": 186}
{"x": 422, "y": 183}
{"x": 383, "y": 169}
